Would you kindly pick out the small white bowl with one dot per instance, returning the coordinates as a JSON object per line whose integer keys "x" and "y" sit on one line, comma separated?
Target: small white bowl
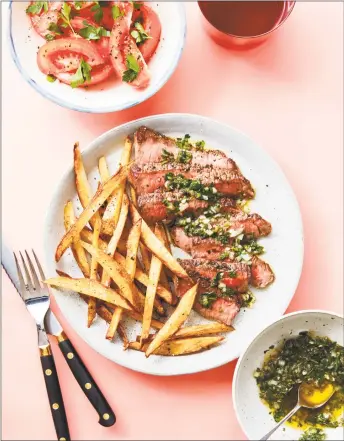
{"x": 252, "y": 414}
{"x": 102, "y": 98}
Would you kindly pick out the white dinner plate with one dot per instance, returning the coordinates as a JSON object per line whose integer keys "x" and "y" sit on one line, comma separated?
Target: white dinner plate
{"x": 253, "y": 415}
{"x": 274, "y": 200}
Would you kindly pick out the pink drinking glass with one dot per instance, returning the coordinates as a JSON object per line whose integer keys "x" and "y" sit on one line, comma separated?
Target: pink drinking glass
{"x": 232, "y": 40}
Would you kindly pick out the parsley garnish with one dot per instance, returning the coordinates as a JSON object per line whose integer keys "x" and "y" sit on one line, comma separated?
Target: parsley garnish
{"x": 207, "y": 299}
{"x": 82, "y": 75}
{"x": 36, "y": 8}
{"x": 215, "y": 281}
{"x": 92, "y": 33}
{"x": 184, "y": 156}
{"x": 66, "y": 16}
{"x": 53, "y": 27}
{"x": 50, "y": 37}
{"x": 133, "y": 69}
{"x": 98, "y": 16}
{"x": 183, "y": 143}
{"x": 200, "y": 145}
{"x": 137, "y": 5}
{"x": 139, "y": 33}
{"x": 51, "y": 78}
{"x": 167, "y": 157}
{"x": 117, "y": 12}
{"x": 78, "y": 5}
{"x": 232, "y": 274}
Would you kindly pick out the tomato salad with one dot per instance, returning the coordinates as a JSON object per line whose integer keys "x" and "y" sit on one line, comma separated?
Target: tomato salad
{"x": 88, "y": 42}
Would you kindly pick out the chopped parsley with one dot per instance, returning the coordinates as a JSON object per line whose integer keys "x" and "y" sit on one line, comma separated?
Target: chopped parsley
{"x": 82, "y": 75}
{"x": 50, "y": 37}
{"x": 53, "y": 27}
{"x": 137, "y": 5}
{"x": 98, "y": 12}
{"x": 166, "y": 157}
{"x": 139, "y": 33}
{"x": 313, "y": 434}
{"x": 51, "y": 78}
{"x": 184, "y": 143}
{"x": 191, "y": 187}
{"x": 305, "y": 359}
{"x": 184, "y": 156}
{"x": 133, "y": 69}
{"x": 200, "y": 145}
{"x": 117, "y": 12}
{"x": 207, "y": 299}
{"x": 78, "y": 5}
{"x": 90, "y": 32}
{"x": 36, "y": 8}
{"x": 66, "y": 17}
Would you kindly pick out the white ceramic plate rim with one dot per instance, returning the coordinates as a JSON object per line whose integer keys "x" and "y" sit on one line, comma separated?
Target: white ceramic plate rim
{"x": 250, "y": 345}
{"x": 106, "y": 109}
{"x": 183, "y": 369}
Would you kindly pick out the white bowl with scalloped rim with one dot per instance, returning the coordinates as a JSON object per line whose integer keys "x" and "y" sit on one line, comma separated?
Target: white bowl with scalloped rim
{"x": 252, "y": 414}
{"x": 109, "y": 96}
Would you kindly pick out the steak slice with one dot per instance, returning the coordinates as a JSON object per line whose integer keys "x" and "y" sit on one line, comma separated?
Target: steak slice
{"x": 149, "y": 146}
{"x": 153, "y": 209}
{"x": 149, "y": 177}
{"x": 223, "y": 310}
{"x": 200, "y": 248}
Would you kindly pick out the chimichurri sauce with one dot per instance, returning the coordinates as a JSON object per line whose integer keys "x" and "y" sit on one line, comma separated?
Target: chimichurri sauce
{"x": 306, "y": 358}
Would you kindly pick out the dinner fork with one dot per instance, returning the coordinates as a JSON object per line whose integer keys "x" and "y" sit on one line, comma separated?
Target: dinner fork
{"x": 37, "y": 301}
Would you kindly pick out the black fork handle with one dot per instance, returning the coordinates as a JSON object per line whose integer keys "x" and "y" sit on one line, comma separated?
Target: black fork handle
{"x": 90, "y": 388}
{"x": 54, "y": 394}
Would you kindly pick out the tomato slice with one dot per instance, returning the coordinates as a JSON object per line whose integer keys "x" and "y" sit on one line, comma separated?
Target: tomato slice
{"x": 65, "y": 54}
{"x": 122, "y": 44}
{"x": 98, "y": 74}
{"x": 151, "y": 23}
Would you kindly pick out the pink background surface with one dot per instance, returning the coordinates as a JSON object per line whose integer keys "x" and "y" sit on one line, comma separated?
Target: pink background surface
{"x": 287, "y": 95}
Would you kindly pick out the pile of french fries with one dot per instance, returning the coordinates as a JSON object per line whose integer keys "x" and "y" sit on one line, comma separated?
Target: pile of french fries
{"x": 127, "y": 266}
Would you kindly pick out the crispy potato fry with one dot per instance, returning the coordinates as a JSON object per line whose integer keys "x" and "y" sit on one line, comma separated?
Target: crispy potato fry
{"x": 122, "y": 333}
{"x": 143, "y": 278}
{"x": 77, "y": 249}
{"x": 116, "y": 317}
{"x": 81, "y": 182}
{"x": 113, "y": 209}
{"x": 133, "y": 196}
{"x": 87, "y": 235}
{"x": 155, "y": 324}
{"x": 119, "y": 275}
{"x": 92, "y": 303}
{"x": 178, "y": 317}
{"x": 156, "y": 246}
{"x": 174, "y": 278}
{"x": 196, "y": 331}
{"x": 91, "y": 288}
{"x": 111, "y": 248}
{"x": 98, "y": 199}
{"x": 154, "y": 276}
{"x": 181, "y": 346}
{"x": 103, "y": 170}
{"x": 132, "y": 248}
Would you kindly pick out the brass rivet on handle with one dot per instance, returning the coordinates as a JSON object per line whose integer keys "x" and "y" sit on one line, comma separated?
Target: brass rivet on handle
{"x": 55, "y": 406}
{"x": 63, "y": 439}
{"x": 48, "y": 372}
{"x": 70, "y": 355}
{"x": 106, "y": 416}
{"x": 88, "y": 386}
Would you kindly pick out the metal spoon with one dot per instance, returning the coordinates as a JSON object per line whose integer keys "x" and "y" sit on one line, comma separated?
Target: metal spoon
{"x": 306, "y": 399}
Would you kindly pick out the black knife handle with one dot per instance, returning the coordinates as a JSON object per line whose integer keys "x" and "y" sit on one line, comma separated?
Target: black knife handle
{"x": 54, "y": 394}
{"x": 107, "y": 417}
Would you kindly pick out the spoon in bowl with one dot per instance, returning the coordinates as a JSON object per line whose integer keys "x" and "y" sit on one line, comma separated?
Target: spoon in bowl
{"x": 309, "y": 396}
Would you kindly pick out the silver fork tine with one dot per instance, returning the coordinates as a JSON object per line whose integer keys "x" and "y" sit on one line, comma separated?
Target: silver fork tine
{"x": 40, "y": 269}
{"x": 21, "y": 279}
{"x": 28, "y": 277}
{"x": 33, "y": 273}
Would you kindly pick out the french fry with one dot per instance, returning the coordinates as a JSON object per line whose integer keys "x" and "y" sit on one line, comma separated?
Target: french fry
{"x": 87, "y": 235}
{"x": 164, "y": 278}
{"x": 77, "y": 249}
{"x": 154, "y": 276}
{"x": 98, "y": 199}
{"x": 116, "y": 318}
{"x": 123, "y": 335}
{"x": 132, "y": 248}
{"x": 92, "y": 303}
{"x": 91, "y": 288}
{"x": 143, "y": 278}
{"x": 181, "y": 346}
{"x": 103, "y": 170}
{"x": 111, "y": 248}
{"x": 197, "y": 331}
{"x": 178, "y": 317}
{"x": 118, "y": 274}
{"x": 156, "y": 246}
{"x": 155, "y": 324}
{"x": 81, "y": 182}
{"x": 113, "y": 209}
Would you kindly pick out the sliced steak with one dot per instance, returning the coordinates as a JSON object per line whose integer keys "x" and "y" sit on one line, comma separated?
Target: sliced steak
{"x": 149, "y": 146}
{"x": 236, "y": 275}
{"x": 153, "y": 208}
{"x": 149, "y": 177}
{"x": 223, "y": 310}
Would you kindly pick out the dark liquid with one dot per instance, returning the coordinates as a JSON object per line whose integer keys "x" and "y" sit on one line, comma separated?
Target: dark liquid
{"x": 243, "y": 18}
